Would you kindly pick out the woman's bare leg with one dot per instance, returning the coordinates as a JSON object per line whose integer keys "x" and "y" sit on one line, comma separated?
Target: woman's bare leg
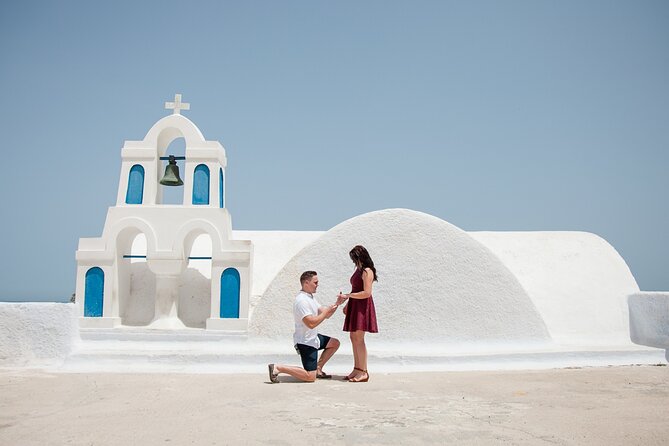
{"x": 359, "y": 354}
{"x": 356, "y": 361}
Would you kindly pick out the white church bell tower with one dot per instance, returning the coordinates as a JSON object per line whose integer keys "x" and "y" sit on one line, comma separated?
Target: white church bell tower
{"x": 167, "y": 266}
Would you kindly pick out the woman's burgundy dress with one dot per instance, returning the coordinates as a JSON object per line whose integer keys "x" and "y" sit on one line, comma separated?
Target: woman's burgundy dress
{"x": 360, "y": 313}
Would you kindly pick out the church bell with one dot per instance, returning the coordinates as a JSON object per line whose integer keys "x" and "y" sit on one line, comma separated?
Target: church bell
{"x": 171, "y": 177}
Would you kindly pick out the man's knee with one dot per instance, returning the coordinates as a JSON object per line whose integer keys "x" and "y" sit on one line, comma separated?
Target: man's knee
{"x": 311, "y": 376}
{"x": 333, "y": 343}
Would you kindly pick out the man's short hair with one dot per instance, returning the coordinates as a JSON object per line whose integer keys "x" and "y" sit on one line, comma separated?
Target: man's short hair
{"x": 307, "y": 275}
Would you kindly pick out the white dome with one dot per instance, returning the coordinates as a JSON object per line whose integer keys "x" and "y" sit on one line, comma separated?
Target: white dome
{"x": 436, "y": 283}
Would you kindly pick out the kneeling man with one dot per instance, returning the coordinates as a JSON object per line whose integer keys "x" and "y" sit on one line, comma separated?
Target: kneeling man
{"x": 309, "y": 315}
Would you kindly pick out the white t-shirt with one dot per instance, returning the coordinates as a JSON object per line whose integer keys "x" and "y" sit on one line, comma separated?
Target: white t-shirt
{"x": 305, "y": 305}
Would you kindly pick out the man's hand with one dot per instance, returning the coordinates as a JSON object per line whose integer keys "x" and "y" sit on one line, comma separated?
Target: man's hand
{"x": 324, "y": 312}
{"x": 330, "y": 311}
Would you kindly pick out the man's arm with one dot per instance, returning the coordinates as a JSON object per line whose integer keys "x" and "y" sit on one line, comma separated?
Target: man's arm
{"x": 313, "y": 321}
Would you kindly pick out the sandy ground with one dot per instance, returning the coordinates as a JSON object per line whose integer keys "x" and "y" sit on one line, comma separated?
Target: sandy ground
{"x": 592, "y": 406}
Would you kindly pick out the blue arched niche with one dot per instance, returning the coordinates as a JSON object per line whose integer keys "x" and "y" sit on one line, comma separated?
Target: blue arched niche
{"x": 94, "y": 291}
{"x": 135, "y": 191}
{"x": 201, "y": 185}
{"x": 230, "y": 294}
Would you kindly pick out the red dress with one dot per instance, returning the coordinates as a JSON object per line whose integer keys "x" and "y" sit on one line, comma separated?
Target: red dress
{"x": 360, "y": 313}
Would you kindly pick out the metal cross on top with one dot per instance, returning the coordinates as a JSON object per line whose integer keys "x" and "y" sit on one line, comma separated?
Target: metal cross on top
{"x": 177, "y": 105}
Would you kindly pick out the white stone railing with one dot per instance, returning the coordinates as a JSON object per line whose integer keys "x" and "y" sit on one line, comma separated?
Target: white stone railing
{"x": 649, "y": 319}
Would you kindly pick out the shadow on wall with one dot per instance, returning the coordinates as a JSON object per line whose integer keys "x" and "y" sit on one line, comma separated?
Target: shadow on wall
{"x": 194, "y": 298}
{"x": 138, "y": 308}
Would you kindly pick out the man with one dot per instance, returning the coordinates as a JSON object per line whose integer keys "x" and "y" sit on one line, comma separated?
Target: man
{"x": 309, "y": 315}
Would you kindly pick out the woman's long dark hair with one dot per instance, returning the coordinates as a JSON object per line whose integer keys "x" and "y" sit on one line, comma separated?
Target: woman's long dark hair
{"x": 361, "y": 258}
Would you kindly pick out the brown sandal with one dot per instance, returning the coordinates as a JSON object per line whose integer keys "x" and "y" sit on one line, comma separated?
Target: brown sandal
{"x": 273, "y": 377}
{"x": 346, "y": 378}
{"x": 360, "y": 380}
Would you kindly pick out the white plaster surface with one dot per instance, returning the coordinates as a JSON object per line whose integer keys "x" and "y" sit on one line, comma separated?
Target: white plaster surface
{"x": 194, "y": 286}
{"x": 271, "y": 251}
{"x": 139, "y": 306}
{"x": 35, "y": 334}
{"x": 436, "y": 284}
{"x": 649, "y": 319}
{"x": 577, "y": 281}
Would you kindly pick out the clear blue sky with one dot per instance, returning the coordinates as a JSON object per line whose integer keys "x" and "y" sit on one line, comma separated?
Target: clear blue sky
{"x": 493, "y": 115}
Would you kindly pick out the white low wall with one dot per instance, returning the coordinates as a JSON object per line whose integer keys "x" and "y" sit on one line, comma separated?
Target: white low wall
{"x": 36, "y": 334}
{"x": 649, "y": 319}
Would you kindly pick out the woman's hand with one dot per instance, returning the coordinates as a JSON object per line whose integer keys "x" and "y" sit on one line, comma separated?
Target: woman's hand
{"x": 341, "y": 298}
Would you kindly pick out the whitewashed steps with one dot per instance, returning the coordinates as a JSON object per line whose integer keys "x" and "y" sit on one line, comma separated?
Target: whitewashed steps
{"x": 140, "y": 350}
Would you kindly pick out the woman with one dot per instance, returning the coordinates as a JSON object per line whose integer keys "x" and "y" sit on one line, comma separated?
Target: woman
{"x": 360, "y": 312}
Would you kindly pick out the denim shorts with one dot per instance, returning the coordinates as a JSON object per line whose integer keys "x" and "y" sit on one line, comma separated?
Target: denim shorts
{"x": 309, "y": 354}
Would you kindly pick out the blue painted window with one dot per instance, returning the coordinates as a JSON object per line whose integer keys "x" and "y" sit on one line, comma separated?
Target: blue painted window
{"x": 135, "y": 191}
{"x": 230, "y": 294}
{"x": 220, "y": 188}
{"x": 201, "y": 185}
{"x": 93, "y": 295}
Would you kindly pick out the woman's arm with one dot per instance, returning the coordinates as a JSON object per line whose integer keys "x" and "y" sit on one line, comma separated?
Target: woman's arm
{"x": 367, "y": 281}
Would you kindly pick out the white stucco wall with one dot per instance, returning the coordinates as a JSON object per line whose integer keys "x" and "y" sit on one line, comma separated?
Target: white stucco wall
{"x": 436, "y": 283}
{"x": 271, "y": 251}
{"x": 577, "y": 281}
{"x": 34, "y": 334}
{"x": 649, "y": 319}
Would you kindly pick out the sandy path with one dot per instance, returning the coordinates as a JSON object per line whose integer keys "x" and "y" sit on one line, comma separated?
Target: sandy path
{"x": 593, "y": 406}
